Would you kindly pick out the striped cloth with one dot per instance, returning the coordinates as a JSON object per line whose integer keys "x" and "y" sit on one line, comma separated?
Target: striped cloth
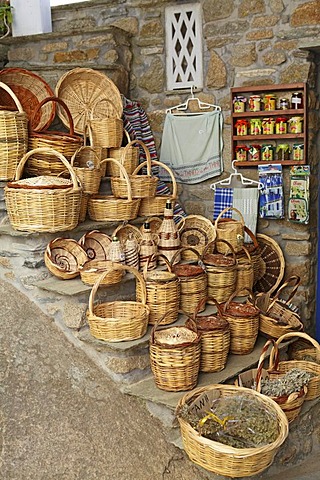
{"x": 223, "y": 198}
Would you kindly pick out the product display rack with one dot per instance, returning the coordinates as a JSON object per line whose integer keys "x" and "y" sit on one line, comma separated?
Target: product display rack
{"x": 280, "y": 90}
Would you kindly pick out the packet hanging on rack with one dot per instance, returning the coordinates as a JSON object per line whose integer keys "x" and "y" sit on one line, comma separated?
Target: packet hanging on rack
{"x": 298, "y": 207}
{"x": 271, "y": 196}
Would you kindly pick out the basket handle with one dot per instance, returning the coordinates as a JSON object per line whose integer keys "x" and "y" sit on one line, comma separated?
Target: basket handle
{"x": 156, "y": 325}
{"x": 5, "y": 87}
{"x": 214, "y": 242}
{"x": 274, "y": 356}
{"x": 123, "y": 172}
{"x": 124, "y": 268}
{"x": 183, "y": 249}
{"x": 262, "y": 358}
{"x": 50, "y": 151}
{"x": 252, "y": 236}
{"x": 79, "y": 150}
{"x": 246, "y": 251}
{"x": 295, "y": 281}
{"x": 202, "y": 302}
{"x": 151, "y": 258}
{"x": 226, "y": 210}
{"x": 165, "y": 167}
{"x": 62, "y": 104}
{"x": 235, "y": 294}
{"x": 146, "y": 151}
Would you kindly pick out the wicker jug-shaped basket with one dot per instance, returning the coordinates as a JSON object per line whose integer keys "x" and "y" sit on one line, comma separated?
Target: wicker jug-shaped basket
{"x": 129, "y": 157}
{"x": 245, "y": 272}
{"x": 148, "y": 248}
{"x": 231, "y": 230}
{"x": 13, "y": 137}
{"x": 169, "y": 235}
{"x": 175, "y": 355}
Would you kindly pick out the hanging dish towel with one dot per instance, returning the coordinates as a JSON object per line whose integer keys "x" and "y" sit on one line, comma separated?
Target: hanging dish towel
{"x": 192, "y": 146}
{"x": 223, "y": 198}
{"x": 246, "y": 200}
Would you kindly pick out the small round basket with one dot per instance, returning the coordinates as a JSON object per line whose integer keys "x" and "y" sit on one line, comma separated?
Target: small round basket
{"x": 196, "y": 232}
{"x": 92, "y": 270}
{"x": 175, "y": 355}
{"x": 64, "y": 257}
{"x": 95, "y": 244}
{"x": 121, "y": 320}
{"x": 220, "y": 458}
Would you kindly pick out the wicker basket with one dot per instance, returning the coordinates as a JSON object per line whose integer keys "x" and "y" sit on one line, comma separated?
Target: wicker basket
{"x": 163, "y": 293}
{"x": 279, "y": 317}
{"x": 254, "y": 251}
{"x": 13, "y": 136}
{"x": 106, "y": 132}
{"x": 35, "y": 208}
{"x": 155, "y": 223}
{"x": 141, "y": 185}
{"x": 230, "y": 230}
{"x": 197, "y": 232}
{"x": 215, "y": 339}
{"x": 120, "y": 320}
{"x": 86, "y": 164}
{"x": 223, "y": 459}
{"x": 313, "y": 386}
{"x": 129, "y": 157}
{"x": 109, "y": 208}
{"x": 126, "y": 230}
{"x": 244, "y": 324}
{"x": 65, "y": 143}
{"x": 193, "y": 283}
{"x": 95, "y": 244}
{"x": 221, "y": 271}
{"x": 175, "y": 355}
{"x": 153, "y": 206}
{"x": 91, "y": 271}
{"x": 302, "y": 350}
{"x": 245, "y": 273}
{"x": 84, "y": 207}
{"x": 63, "y": 257}
{"x": 272, "y": 265}
{"x": 30, "y": 89}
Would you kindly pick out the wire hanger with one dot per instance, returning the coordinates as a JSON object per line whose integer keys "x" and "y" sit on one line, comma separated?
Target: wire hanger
{"x": 228, "y": 181}
{"x": 182, "y": 107}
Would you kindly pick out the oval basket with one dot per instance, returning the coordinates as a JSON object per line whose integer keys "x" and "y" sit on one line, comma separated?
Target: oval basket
{"x": 223, "y": 459}
{"x": 153, "y": 206}
{"x": 91, "y": 271}
{"x": 128, "y": 157}
{"x": 13, "y": 136}
{"x": 231, "y": 230}
{"x": 121, "y": 320}
{"x": 95, "y": 244}
{"x": 175, "y": 355}
{"x": 35, "y": 209}
{"x": 63, "y": 258}
{"x": 86, "y": 164}
{"x": 141, "y": 185}
{"x": 196, "y": 232}
{"x": 109, "y": 208}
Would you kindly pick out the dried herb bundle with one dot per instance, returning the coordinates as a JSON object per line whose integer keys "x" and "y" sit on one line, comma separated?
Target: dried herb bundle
{"x": 292, "y": 381}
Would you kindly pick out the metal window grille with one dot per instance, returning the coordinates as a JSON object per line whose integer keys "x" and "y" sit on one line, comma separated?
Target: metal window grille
{"x": 184, "y": 46}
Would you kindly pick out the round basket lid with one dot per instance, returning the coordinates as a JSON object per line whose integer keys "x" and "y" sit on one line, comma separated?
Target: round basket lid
{"x": 271, "y": 265}
{"x": 30, "y": 90}
{"x": 185, "y": 270}
{"x": 89, "y": 94}
{"x": 237, "y": 309}
{"x": 160, "y": 276}
{"x": 197, "y": 232}
{"x": 218, "y": 260}
{"x": 175, "y": 336}
{"x": 42, "y": 182}
{"x": 211, "y": 322}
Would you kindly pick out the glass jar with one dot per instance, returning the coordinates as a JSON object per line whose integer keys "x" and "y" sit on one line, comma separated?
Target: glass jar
{"x": 298, "y": 152}
{"x": 295, "y": 124}
{"x": 255, "y": 103}
{"x": 255, "y": 126}
{"x": 241, "y": 153}
{"x": 242, "y": 127}
{"x": 268, "y": 126}
{"x": 269, "y": 102}
{"x": 284, "y": 103}
{"x": 267, "y": 153}
{"x": 255, "y": 153}
{"x": 283, "y": 152}
{"x": 239, "y": 103}
{"x": 281, "y": 125}
{"x": 296, "y": 100}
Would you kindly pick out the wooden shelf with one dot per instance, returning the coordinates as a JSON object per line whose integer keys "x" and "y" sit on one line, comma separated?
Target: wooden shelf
{"x": 283, "y": 136}
{"x": 262, "y": 162}
{"x": 270, "y": 113}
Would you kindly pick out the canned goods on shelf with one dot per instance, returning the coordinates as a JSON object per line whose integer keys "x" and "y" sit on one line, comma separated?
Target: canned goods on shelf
{"x": 255, "y": 153}
{"x": 281, "y": 125}
{"x": 239, "y": 103}
{"x": 296, "y": 100}
{"x": 269, "y": 102}
{"x": 255, "y": 103}
{"x": 255, "y": 126}
{"x": 283, "y": 151}
{"x": 242, "y": 126}
{"x": 298, "y": 152}
{"x": 241, "y": 153}
{"x": 295, "y": 124}
{"x": 284, "y": 103}
{"x": 267, "y": 153}
{"x": 268, "y": 126}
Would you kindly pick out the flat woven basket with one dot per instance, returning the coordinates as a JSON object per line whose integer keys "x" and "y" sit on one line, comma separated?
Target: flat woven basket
{"x": 279, "y": 316}
{"x": 197, "y": 232}
{"x": 175, "y": 355}
{"x": 86, "y": 164}
{"x": 243, "y": 319}
{"x": 120, "y": 320}
{"x": 13, "y": 136}
{"x": 272, "y": 265}
{"x": 36, "y": 208}
{"x": 141, "y": 185}
{"x": 128, "y": 157}
{"x": 110, "y": 208}
{"x": 63, "y": 258}
{"x": 313, "y": 386}
{"x": 83, "y": 90}
{"x": 95, "y": 244}
{"x": 153, "y": 206}
{"x": 30, "y": 89}
{"x": 221, "y": 271}
{"x": 91, "y": 271}
{"x": 231, "y": 230}
{"x": 65, "y": 143}
{"x": 223, "y": 459}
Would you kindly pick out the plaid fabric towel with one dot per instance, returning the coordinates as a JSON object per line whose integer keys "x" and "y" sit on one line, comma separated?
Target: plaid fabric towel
{"x": 223, "y": 198}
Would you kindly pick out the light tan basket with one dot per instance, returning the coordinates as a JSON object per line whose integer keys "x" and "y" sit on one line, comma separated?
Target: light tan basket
{"x": 197, "y": 232}
{"x": 230, "y": 230}
{"x": 153, "y": 206}
{"x": 245, "y": 274}
{"x": 63, "y": 258}
{"x": 175, "y": 355}
{"x": 91, "y": 271}
{"x": 36, "y": 208}
{"x": 163, "y": 293}
{"x": 86, "y": 164}
{"x": 221, "y": 271}
{"x": 223, "y": 459}
{"x": 279, "y": 317}
{"x": 13, "y": 137}
{"x": 154, "y": 222}
{"x": 302, "y": 350}
{"x": 95, "y": 244}
{"x": 64, "y": 143}
{"x": 141, "y": 185}
{"x": 109, "y": 208}
{"x": 128, "y": 157}
{"x": 193, "y": 283}
{"x": 83, "y": 207}
{"x": 106, "y": 132}
{"x": 254, "y": 251}
{"x": 243, "y": 319}
{"x": 125, "y": 230}
{"x": 120, "y": 320}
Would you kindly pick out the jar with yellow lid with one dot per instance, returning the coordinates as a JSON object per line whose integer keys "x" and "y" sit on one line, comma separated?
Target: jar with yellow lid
{"x": 255, "y": 103}
{"x": 269, "y": 102}
{"x": 283, "y": 151}
{"x": 281, "y": 125}
{"x": 295, "y": 124}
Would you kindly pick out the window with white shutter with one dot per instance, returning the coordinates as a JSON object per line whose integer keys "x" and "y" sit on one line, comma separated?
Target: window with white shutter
{"x": 184, "y": 46}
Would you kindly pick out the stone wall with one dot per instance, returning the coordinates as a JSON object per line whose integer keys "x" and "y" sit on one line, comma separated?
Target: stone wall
{"x": 246, "y": 42}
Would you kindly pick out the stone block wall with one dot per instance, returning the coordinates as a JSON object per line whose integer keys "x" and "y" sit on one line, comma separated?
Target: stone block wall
{"x": 245, "y": 42}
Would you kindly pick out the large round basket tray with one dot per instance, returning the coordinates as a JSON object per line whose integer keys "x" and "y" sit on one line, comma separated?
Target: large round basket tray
{"x": 271, "y": 265}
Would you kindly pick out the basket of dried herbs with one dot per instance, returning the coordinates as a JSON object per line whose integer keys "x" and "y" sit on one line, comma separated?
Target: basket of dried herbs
{"x": 229, "y": 430}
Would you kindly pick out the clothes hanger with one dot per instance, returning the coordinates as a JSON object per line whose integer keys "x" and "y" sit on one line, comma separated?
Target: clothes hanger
{"x": 228, "y": 181}
{"x": 182, "y": 107}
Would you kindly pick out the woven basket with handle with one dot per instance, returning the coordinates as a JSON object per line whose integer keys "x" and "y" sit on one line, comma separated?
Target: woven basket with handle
{"x": 231, "y": 230}
{"x": 63, "y": 257}
{"x": 92, "y": 270}
{"x": 86, "y": 164}
{"x": 13, "y": 136}
{"x": 245, "y": 274}
{"x": 129, "y": 157}
{"x": 106, "y": 132}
